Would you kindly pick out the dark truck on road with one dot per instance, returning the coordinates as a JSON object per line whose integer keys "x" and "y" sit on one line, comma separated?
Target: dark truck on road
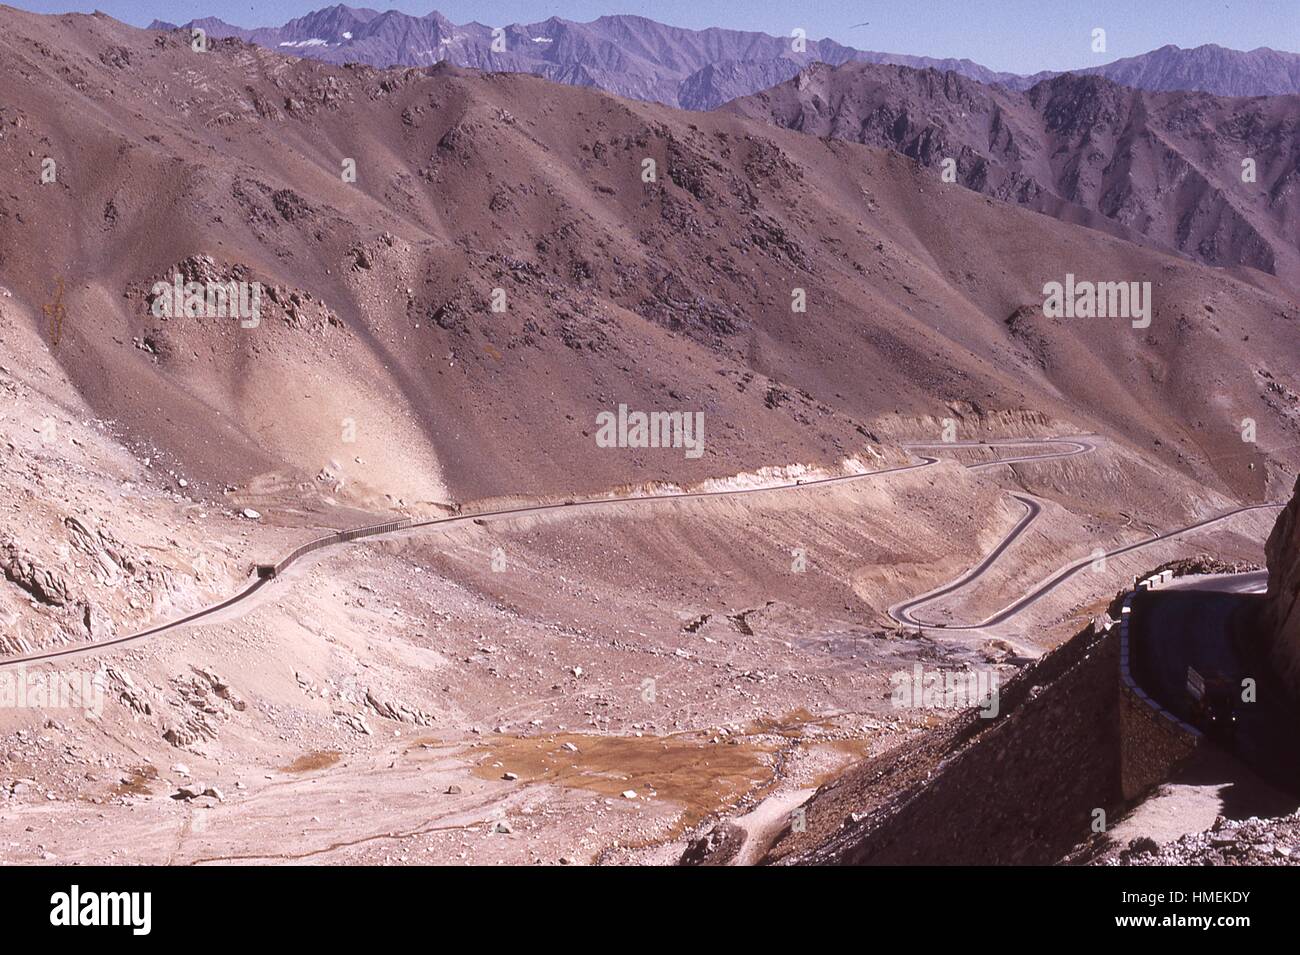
{"x": 1213, "y": 702}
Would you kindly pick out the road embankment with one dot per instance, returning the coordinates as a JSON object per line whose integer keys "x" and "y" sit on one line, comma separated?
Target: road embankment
{"x": 1020, "y": 788}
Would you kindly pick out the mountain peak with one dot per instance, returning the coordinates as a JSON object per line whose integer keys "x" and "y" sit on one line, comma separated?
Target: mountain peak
{"x": 632, "y": 55}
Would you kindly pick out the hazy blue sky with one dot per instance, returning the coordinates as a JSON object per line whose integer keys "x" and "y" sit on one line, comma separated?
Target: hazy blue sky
{"x": 1022, "y": 36}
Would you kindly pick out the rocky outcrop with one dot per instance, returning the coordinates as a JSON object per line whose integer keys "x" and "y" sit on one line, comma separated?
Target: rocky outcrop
{"x": 112, "y": 561}
{"x": 1280, "y": 624}
{"x": 122, "y": 687}
{"x": 47, "y": 586}
{"x": 397, "y": 711}
{"x": 719, "y": 846}
{"x": 201, "y": 702}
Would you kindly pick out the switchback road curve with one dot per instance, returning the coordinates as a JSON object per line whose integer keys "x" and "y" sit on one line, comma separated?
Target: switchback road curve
{"x": 1074, "y": 444}
{"x": 405, "y": 526}
{"x": 903, "y": 612}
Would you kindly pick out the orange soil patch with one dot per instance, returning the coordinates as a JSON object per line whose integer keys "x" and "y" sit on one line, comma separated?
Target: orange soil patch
{"x": 701, "y": 777}
{"x": 310, "y": 761}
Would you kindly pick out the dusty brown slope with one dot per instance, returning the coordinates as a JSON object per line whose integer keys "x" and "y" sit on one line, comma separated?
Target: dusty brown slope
{"x": 1162, "y": 167}
{"x": 669, "y": 295}
{"x": 949, "y": 799}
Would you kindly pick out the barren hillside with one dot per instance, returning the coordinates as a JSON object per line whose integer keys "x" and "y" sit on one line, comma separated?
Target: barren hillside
{"x": 1164, "y": 168}
{"x": 674, "y": 293}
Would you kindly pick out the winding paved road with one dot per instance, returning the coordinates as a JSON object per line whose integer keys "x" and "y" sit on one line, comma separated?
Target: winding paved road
{"x": 902, "y": 612}
{"x": 1074, "y": 444}
{"x": 503, "y": 513}
{"x": 1078, "y": 444}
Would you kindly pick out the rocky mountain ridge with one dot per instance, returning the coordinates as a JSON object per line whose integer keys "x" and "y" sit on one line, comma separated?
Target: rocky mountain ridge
{"x": 641, "y": 58}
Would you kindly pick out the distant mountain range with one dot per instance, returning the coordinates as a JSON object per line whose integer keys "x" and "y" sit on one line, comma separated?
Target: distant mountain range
{"x": 1209, "y": 68}
{"x": 696, "y": 69}
{"x": 1161, "y": 168}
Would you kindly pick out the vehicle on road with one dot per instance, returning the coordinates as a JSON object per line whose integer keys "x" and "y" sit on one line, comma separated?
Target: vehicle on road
{"x": 1213, "y": 701}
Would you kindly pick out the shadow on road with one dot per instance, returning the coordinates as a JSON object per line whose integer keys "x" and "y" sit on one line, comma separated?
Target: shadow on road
{"x": 1215, "y": 633}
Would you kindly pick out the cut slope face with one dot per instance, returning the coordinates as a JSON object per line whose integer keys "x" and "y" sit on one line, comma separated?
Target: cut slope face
{"x": 639, "y": 256}
{"x": 1217, "y": 179}
{"x": 1281, "y": 622}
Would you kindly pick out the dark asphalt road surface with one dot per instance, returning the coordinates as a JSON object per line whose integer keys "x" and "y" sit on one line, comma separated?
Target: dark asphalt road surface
{"x": 1215, "y": 632}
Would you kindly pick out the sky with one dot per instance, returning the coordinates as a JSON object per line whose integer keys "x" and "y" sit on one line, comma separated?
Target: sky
{"x": 1018, "y": 36}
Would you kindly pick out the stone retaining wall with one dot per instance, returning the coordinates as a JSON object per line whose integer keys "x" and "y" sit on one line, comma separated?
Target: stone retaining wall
{"x": 1153, "y": 741}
